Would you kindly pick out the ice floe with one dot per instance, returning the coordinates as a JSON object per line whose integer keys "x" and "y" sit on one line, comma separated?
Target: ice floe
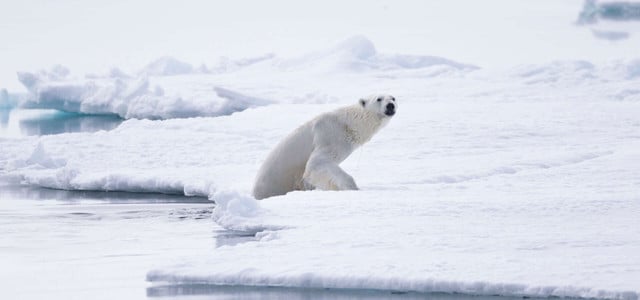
{"x": 475, "y": 197}
{"x": 518, "y": 183}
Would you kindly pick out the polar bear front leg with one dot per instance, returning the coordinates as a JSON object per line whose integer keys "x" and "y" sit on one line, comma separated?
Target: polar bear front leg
{"x": 323, "y": 173}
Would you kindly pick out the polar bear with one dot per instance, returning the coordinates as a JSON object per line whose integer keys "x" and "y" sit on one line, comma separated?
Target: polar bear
{"x": 309, "y": 157}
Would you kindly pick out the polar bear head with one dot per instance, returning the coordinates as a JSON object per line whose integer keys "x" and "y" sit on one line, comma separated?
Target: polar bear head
{"x": 383, "y": 104}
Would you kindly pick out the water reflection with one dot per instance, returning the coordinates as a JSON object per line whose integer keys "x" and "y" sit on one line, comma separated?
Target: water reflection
{"x": 12, "y": 191}
{"x": 204, "y": 291}
{"x": 226, "y": 237}
{"x": 24, "y": 122}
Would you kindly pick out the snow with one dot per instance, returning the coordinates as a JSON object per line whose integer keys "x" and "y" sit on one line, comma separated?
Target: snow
{"x": 511, "y": 168}
{"x": 240, "y": 213}
{"x": 358, "y": 53}
{"x": 482, "y": 193}
{"x": 168, "y": 88}
{"x": 538, "y": 200}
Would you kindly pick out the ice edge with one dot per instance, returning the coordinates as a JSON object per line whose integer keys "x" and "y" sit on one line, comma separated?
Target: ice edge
{"x": 312, "y": 281}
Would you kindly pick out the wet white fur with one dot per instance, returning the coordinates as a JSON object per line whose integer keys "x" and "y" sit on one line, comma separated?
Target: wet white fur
{"x": 309, "y": 157}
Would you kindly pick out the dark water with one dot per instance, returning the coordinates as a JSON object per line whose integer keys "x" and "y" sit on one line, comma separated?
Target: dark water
{"x": 28, "y": 122}
{"x": 16, "y": 191}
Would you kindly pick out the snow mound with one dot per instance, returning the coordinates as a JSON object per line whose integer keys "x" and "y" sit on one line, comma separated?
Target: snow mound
{"x": 358, "y": 54}
{"x": 130, "y": 97}
{"x": 240, "y": 213}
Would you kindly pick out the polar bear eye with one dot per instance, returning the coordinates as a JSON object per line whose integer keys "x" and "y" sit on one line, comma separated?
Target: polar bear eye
{"x": 379, "y": 99}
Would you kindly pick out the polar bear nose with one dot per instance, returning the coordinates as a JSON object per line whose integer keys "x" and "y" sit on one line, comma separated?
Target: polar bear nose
{"x": 390, "y": 109}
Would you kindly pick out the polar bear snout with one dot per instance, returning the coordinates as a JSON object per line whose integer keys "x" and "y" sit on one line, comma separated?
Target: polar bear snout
{"x": 390, "y": 109}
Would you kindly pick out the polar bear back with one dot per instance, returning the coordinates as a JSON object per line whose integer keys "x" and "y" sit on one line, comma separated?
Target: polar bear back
{"x": 282, "y": 170}
{"x": 331, "y": 137}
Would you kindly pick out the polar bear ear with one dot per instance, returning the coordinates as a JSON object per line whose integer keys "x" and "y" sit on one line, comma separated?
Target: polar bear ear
{"x": 362, "y": 102}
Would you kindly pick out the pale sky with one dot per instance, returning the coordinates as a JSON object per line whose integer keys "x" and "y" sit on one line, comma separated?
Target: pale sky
{"x": 92, "y": 36}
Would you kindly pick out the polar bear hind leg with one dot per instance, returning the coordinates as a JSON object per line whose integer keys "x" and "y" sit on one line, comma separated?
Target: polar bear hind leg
{"x": 323, "y": 173}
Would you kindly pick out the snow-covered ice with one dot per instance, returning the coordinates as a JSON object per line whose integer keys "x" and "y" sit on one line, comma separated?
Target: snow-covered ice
{"x": 490, "y": 194}
{"x": 169, "y": 88}
{"x": 523, "y": 199}
{"x": 514, "y": 180}
{"x": 127, "y": 97}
